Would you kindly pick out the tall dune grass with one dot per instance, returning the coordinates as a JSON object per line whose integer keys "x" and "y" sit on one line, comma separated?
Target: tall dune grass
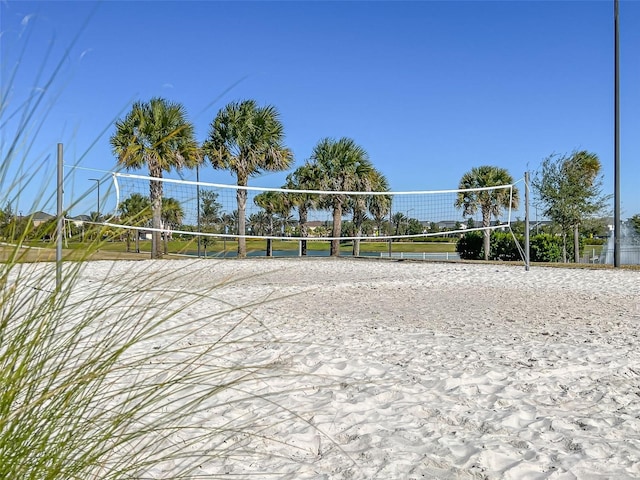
{"x": 112, "y": 380}
{"x": 109, "y": 377}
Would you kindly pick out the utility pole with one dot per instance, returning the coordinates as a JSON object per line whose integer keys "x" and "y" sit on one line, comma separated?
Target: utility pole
{"x": 527, "y": 259}
{"x": 617, "y": 231}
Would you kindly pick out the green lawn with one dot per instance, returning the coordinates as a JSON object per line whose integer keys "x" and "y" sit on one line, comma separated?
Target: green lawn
{"x": 292, "y": 246}
{"x": 45, "y": 251}
{"x": 219, "y": 247}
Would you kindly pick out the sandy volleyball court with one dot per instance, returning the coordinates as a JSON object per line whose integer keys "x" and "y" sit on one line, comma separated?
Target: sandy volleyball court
{"x": 400, "y": 370}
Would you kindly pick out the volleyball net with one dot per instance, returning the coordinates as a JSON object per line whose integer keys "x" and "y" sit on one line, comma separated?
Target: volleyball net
{"x": 216, "y": 210}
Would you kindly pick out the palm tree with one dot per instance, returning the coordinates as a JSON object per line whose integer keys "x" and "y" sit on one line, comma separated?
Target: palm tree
{"x": 339, "y": 162}
{"x": 275, "y": 204}
{"x": 305, "y": 177}
{"x": 284, "y": 218}
{"x": 229, "y": 222}
{"x": 368, "y": 179}
{"x": 270, "y": 202}
{"x": 379, "y": 206}
{"x": 398, "y": 219}
{"x": 246, "y": 139}
{"x": 135, "y": 210}
{"x": 259, "y": 222}
{"x": 172, "y": 215}
{"x": 490, "y": 202}
{"x": 158, "y": 135}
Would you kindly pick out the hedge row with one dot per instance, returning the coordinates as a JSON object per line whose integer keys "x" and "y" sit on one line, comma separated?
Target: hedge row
{"x": 543, "y": 247}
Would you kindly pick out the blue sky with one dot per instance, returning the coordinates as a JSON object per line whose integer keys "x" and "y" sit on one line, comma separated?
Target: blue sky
{"x": 430, "y": 89}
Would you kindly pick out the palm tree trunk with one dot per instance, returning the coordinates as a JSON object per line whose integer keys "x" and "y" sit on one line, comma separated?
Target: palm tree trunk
{"x": 357, "y": 220}
{"x": 241, "y": 196}
{"x": 337, "y": 227}
{"x": 486, "y": 223}
{"x": 155, "y": 191}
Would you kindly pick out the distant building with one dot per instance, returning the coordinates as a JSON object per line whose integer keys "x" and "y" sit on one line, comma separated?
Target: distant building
{"x": 38, "y": 218}
{"x": 450, "y": 225}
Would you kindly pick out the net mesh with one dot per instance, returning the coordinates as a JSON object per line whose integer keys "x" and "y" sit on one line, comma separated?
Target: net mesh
{"x": 211, "y": 209}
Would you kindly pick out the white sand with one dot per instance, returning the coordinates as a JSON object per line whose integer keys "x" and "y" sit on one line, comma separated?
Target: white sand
{"x": 399, "y": 370}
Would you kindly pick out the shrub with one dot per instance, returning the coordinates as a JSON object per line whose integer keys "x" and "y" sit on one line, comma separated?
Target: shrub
{"x": 545, "y": 248}
{"x": 469, "y": 246}
{"x": 503, "y": 247}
